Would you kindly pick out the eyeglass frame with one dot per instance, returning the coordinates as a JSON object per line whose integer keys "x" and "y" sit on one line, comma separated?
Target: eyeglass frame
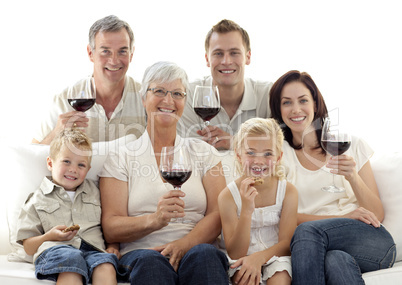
{"x": 166, "y": 92}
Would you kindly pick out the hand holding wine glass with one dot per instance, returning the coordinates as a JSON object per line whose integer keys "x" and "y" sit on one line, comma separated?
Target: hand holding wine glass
{"x": 82, "y": 97}
{"x": 206, "y": 102}
{"x": 336, "y": 142}
{"x": 175, "y": 168}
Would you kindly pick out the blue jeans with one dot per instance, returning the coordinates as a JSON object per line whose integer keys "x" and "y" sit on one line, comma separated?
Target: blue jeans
{"x": 337, "y": 251}
{"x": 66, "y": 258}
{"x": 203, "y": 264}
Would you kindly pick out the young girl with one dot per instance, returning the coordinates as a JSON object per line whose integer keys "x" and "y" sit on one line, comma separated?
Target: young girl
{"x": 258, "y": 210}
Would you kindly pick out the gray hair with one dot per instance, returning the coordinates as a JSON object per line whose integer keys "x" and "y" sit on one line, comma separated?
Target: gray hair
{"x": 109, "y": 24}
{"x": 163, "y": 72}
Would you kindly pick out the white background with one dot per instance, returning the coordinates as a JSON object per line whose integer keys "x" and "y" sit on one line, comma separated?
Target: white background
{"x": 352, "y": 49}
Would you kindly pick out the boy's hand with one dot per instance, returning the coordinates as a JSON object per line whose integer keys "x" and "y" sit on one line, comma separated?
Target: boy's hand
{"x": 114, "y": 251}
{"x": 57, "y": 234}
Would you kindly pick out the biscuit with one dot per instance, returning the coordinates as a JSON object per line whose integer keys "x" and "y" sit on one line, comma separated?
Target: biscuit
{"x": 71, "y": 228}
{"x": 258, "y": 181}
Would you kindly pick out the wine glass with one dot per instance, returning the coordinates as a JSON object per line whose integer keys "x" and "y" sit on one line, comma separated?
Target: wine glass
{"x": 175, "y": 168}
{"x": 82, "y": 96}
{"x": 334, "y": 141}
{"x": 206, "y": 102}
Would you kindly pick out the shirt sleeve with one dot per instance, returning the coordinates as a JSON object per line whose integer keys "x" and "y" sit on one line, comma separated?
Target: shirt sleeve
{"x": 29, "y": 224}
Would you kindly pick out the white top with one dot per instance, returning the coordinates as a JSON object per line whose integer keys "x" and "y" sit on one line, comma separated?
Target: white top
{"x": 127, "y": 118}
{"x": 255, "y": 103}
{"x": 312, "y": 200}
{"x": 264, "y": 221}
{"x": 137, "y": 165}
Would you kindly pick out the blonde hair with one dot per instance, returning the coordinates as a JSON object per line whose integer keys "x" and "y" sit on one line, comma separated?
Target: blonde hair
{"x": 76, "y": 140}
{"x": 259, "y": 127}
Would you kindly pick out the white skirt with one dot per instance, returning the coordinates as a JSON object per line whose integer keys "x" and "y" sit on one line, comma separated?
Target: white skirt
{"x": 275, "y": 264}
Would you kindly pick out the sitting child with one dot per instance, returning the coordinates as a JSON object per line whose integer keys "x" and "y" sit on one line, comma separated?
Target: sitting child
{"x": 67, "y": 255}
{"x": 259, "y": 209}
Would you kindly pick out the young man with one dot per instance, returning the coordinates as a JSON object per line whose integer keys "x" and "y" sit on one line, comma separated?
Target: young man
{"x": 118, "y": 110}
{"x": 227, "y": 52}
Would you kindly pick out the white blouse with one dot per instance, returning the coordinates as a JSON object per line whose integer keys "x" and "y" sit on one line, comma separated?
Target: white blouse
{"x": 137, "y": 165}
{"x": 312, "y": 200}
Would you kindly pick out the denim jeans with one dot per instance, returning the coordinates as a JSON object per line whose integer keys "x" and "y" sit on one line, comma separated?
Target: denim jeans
{"x": 203, "y": 264}
{"x": 66, "y": 258}
{"x": 337, "y": 251}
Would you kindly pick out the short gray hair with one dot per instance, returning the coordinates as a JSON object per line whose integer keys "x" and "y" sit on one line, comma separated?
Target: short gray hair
{"x": 162, "y": 72}
{"x": 109, "y": 24}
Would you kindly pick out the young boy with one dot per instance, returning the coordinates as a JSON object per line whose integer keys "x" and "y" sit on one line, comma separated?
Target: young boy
{"x": 64, "y": 199}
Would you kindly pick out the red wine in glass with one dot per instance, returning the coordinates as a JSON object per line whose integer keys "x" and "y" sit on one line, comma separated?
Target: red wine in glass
{"x": 206, "y": 113}
{"x": 81, "y": 105}
{"x": 335, "y": 142}
{"x": 82, "y": 96}
{"x": 206, "y": 102}
{"x": 176, "y": 177}
{"x": 335, "y": 147}
{"x": 175, "y": 168}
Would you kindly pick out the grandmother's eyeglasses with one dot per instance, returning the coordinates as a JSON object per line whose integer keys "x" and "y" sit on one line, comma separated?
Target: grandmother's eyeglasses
{"x": 162, "y": 92}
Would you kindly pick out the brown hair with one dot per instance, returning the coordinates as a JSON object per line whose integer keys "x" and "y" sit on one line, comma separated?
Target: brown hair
{"x": 275, "y": 103}
{"x": 226, "y": 26}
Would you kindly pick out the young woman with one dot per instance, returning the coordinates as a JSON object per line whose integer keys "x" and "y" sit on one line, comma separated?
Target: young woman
{"x": 339, "y": 235}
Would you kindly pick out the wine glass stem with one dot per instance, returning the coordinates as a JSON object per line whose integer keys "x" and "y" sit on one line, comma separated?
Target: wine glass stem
{"x": 333, "y": 179}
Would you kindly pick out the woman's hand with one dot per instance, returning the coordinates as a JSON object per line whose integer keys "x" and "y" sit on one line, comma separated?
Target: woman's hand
{"x": 170, "y": 206}
{"x": 250, "y": 271}
{"x": 343, "y": 165}
{"x": 248, "y": 194}
{"x": 364, "y": 215}
{"x": 175, "y": 251}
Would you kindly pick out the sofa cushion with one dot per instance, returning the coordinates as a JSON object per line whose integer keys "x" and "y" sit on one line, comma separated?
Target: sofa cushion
{"x": 26, "y": 168}
{"x": 387, "y": 170}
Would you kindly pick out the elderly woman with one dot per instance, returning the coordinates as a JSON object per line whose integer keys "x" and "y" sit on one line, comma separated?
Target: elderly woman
{"x": 137, "y": 206}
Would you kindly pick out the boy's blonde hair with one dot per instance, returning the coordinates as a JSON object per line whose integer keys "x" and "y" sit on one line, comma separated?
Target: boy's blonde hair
{"x": 259, "y": 127}
{"x": 76, "y": 140}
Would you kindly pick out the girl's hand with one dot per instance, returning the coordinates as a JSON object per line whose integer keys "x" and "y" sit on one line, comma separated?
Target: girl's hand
{"x": 250, "y": 271}
{"x": 343, "y": 165}
{"x": 248, "y": 194}
{"x": 57, "y": 234}
{"x": 364, "y": 215}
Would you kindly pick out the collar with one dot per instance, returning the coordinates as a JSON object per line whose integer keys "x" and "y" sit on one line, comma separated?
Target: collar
{"x": 248, "y": 101}
{"x": 48, "y": 186}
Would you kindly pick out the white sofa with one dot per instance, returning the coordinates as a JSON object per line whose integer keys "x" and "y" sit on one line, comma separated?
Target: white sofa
{"x": 23, "y": 167}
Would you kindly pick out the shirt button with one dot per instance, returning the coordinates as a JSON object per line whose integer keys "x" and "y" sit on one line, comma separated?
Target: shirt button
{"x": 75, "y": 210}
{"x": 66, "y": 196}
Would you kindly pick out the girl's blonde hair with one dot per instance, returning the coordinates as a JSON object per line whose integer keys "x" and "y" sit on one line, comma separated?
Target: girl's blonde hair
{"x": 76, "y": 140}
{"x": 259, "y": 127}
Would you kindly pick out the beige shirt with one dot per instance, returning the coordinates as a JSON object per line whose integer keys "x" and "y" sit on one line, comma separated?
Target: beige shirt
{"x": 255, "y": 103}
{"x": 127, "y": 118}
{"x": 314, "y": 201}
{"x": 50, "y": 206}
{"x": 136, "y": 164}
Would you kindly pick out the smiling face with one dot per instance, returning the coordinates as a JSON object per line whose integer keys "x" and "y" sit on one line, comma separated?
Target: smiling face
{"x": 258, "y": 156}
{"x": 297, "y": 107}
{"x": 227, "y": 58}
{"x": 164, "y": 111}
{"x": 68, "y": 168}
{"x": 111, "y": 57}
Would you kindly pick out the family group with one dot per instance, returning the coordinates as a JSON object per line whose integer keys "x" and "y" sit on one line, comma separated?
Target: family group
{"x": 272, "y": 225}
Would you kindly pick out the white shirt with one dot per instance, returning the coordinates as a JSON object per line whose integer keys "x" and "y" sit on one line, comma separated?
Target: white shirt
{"x": 137, "y": 165}
{"x": 314, "y": 201}
{"x": 255, "y": 103}
{"x": 127, "y": 118}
